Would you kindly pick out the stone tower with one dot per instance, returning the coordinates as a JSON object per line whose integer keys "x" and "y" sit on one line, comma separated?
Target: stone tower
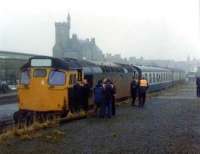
{"x": 73, "y": 47}
{"x": 62, "y": 37}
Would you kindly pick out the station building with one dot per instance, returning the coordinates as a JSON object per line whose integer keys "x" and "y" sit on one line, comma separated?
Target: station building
{"x": 10, "y": 62}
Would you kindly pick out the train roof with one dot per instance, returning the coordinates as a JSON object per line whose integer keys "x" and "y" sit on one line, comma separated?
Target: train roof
{"x": 176, "y": 70}
{"x": 92, "y": 67}
{"x": 152, "y": 69}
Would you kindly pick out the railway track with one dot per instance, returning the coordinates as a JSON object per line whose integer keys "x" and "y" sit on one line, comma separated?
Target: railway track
{"x": 6, "y": 123}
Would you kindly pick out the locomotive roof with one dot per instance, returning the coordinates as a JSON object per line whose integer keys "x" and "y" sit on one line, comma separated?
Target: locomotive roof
{"x": 55, "y": 63}
{"x": 89, "y": 67}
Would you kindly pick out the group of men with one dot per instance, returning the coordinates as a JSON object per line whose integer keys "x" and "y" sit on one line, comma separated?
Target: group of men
{"x": 104, "y": 97}
{"x": 79, "y": 96}
{"x": 138, "y": 89}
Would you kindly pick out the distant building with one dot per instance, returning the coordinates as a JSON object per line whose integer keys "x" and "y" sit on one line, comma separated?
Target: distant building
{"x": 10, "y": 62}
{"x": 66, "y": 46}
{"x": 116, "y": 58}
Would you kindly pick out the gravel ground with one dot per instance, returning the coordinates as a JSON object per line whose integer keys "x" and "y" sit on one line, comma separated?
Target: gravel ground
{"x": 169, "y": 123}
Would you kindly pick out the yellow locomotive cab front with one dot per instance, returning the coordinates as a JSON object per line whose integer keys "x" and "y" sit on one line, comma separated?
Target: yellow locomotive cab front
{"x": 45, "y": 90}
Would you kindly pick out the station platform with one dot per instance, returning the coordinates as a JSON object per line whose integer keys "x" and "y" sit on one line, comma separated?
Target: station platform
{"x": 8, "y": 98}
{"x": 13, "y": 93}
{"x": 7, "y": 111}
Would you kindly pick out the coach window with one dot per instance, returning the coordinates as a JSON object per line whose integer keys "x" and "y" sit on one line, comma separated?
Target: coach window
{"x": 25, "y": 77}
{"x": 160, "y": 77}
{"x": 118, "y": 70}
{"x": 125, "y": 70}
{"x": 103, "y": 69}
{"x": 57, "y": 78}
{"x": 154, "y": 77}
{"x": 150, "y": 78}
{"x": 164, "y": 76}
{"x": 145, "y": 76}
{"x": 157, "y": 77}
{"x": 106, "y": 69}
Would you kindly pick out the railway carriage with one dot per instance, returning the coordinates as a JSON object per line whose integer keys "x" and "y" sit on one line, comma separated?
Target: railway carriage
{"x": 158, "y": 78}
{"x": 46, "y": 83}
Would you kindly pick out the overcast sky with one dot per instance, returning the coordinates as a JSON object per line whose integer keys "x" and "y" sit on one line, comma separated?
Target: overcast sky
{"x": 154, "y": 29}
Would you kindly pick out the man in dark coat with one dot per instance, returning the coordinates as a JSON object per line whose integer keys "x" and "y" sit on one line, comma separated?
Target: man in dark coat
{"x": 76, "y": 96}
{"x": 85, "y": 94}
{"x": 99, "y": 98}
{"x": 198, "y": 86}
{"x": 133, "y": 90}
{"x": 113, "y": 98}
{"x": 108, "y": 95}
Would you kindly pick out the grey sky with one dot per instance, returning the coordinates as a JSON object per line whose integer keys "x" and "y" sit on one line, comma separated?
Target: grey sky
{"x": 156, "y": 29}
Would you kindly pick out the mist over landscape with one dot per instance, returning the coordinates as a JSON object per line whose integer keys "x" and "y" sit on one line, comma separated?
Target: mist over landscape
{"x": 156, "y": 29}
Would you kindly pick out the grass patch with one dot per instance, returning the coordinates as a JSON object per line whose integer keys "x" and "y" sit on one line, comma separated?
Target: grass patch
{"x": 27, "y": 132}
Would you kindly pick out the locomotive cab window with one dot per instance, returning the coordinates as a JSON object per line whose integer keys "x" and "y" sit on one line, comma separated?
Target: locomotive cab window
{"x": 57, "y": 78}
{"x": 24, "y": 79}
{"x": 39, "y": 73}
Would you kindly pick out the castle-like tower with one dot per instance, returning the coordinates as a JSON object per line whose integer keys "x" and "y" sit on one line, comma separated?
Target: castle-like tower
{"x": 62, "y": 37}
{"x": 67, "y": 46}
